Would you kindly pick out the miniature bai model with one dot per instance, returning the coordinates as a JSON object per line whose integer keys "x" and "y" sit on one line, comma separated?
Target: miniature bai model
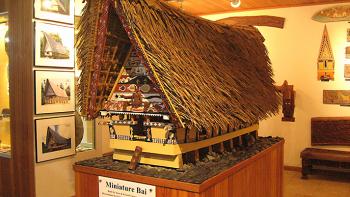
{"x": 173, "y": 85}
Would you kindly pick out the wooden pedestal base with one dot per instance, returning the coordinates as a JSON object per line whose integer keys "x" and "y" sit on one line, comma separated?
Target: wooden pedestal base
{"x": 260, "y": 176}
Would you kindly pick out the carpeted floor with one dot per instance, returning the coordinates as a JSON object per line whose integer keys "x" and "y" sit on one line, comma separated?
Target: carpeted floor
{"x": 315, "y": 186}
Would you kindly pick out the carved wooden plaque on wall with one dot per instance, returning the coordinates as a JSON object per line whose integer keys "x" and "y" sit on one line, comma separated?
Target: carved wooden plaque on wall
{"x": 340, "y": 97}
{"x": 330, "y": 131}
{"x": 333, "y": 14}
{"x": 347, "y": 71}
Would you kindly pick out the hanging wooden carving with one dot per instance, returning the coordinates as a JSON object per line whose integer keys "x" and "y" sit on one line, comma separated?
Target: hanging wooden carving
{"x": 330, "y": 131}
{"x": 325, "y": 63}
{"x": 288, "y": 97}
{"x": 333, "y": 14}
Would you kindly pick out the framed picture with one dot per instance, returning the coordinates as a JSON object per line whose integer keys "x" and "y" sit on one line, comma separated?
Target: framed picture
{"x": 348, "y": 35}
{"x": 55, "y": 10}
{"x": 54, "y": 92}
{"x": 338, "y": 97}
{"x": 54, "y": 138}
{"x": 54, "y": 45}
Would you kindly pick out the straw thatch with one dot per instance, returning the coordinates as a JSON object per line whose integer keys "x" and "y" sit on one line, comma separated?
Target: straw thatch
{"x": 85, "y": 44}
{"x": 211, "y": 75}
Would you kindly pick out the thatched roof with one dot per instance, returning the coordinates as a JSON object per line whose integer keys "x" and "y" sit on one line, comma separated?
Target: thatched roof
{"x": 53, "y": 46}
{"x": 211, "y": 75}
{"x": 53, "y": 89}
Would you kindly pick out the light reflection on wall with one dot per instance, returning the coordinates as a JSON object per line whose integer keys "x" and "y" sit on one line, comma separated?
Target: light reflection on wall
{"x": 4, "y": 87}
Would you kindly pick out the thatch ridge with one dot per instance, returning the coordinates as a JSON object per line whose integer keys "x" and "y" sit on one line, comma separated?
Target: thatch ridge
{"x": 213, "y": 74}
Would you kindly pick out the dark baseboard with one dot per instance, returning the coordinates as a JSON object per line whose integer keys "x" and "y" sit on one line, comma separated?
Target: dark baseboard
{"x": 292, "y": 168}
{"x": 107, "y": 154}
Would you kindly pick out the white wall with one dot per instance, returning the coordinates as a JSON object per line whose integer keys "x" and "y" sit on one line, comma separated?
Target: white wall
{"x": 293, "y": 52}
{"x": 56, "y": 178}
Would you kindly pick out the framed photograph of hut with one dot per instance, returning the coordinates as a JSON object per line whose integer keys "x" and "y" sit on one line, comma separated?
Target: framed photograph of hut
{"x": 54, "y": 137}
{"x": 54, "y": 92}
{"x": 54, "y": 45}
{"x": 55, "y": 10}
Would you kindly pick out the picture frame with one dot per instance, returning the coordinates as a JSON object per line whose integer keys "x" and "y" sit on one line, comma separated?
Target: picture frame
{"x": 54, "y": 92}
{"x": 337, "y": 97}
{"x": 54, "y": 45}
{"x": 54, "y": 138}
{"x": 348, "y": 35}
{"x": 55, "y": 10}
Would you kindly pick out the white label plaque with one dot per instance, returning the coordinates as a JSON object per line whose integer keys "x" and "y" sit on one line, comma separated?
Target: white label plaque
{"x": 118, "y": 188}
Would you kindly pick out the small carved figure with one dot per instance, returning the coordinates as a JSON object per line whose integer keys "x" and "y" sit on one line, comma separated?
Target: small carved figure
{"x": 170, "y": 133}
{"x": 112, "y": 132}
{"x": 135, "y": 158}
{"x": 137, "y": 99}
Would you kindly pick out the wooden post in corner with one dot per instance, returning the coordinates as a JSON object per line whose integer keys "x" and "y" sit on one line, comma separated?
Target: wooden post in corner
{"x": 21, "y": 58}
{"x": 135, "y": 158}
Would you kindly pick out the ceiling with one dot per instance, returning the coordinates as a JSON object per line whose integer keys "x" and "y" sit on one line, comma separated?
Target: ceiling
{"x": 205, "y": 7}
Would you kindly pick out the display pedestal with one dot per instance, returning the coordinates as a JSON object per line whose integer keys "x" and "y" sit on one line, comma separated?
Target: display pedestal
{"x": 261, "y": 175}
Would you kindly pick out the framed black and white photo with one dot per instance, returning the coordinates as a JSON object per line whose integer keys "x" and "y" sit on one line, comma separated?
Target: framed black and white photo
{"x": 54, "y": 92}
{"x": 55, "y": 138}
{"x": 54, "y": 45}
{"x": 55, "y": 10}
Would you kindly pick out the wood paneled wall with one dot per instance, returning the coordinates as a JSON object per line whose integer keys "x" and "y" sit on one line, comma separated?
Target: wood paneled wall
{"x": 21, "y": 96}
{"x": 6, "y": 189}
{"x": 259, "y": 176}
{"x": 3, "y": 6}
